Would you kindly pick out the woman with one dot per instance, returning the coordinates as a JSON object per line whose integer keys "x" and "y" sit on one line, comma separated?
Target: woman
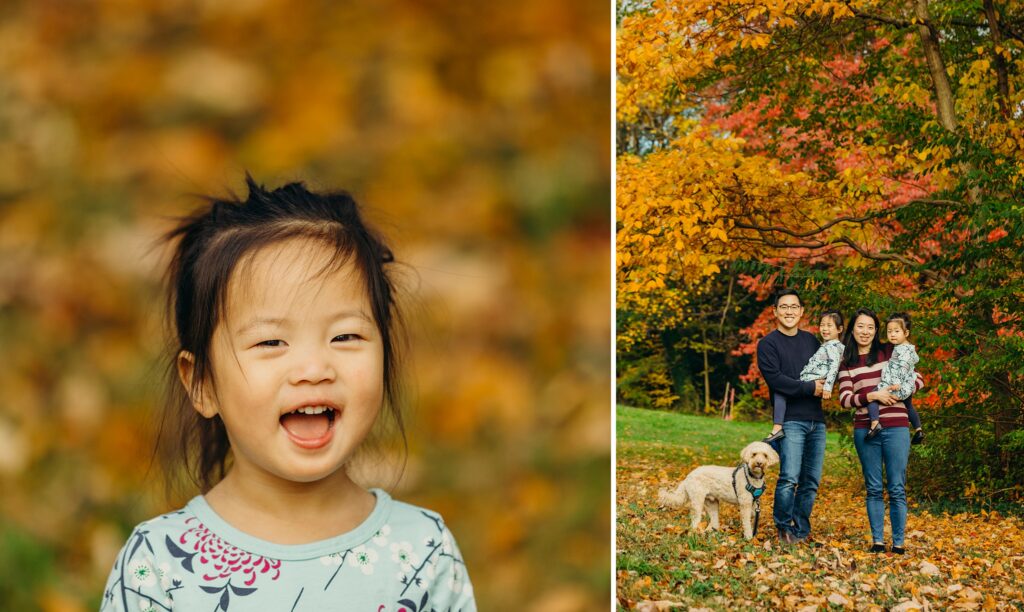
{"x": 859, "y": 375}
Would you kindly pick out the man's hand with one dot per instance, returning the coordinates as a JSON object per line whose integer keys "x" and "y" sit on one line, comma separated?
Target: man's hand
{"x": 819, "y": 387}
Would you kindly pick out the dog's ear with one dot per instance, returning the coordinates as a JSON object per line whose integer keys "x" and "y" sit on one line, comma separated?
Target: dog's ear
{"x": 773, "y": 457}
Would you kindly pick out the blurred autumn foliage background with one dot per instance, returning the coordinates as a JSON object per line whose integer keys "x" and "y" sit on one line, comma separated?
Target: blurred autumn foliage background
{"x": 477, "y": 135}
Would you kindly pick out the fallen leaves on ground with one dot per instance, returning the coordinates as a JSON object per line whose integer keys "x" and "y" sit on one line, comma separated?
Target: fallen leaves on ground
{"x": 966, "y": 561}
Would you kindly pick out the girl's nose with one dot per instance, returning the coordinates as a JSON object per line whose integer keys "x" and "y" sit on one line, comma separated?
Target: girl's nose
{"x": 312, "y": 367}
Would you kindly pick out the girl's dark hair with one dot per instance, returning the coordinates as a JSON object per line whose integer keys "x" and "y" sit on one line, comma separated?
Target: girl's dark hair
{"x": 208, "y": 245}
{"x": 902, "y": 317}
{"x": 850, "y": 353}
{"x": 835, "y": 315}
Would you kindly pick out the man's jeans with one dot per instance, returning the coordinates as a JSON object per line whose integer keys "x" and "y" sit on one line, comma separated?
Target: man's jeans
{"x": 891, "y": 448}
{"x": 801, "y": 460}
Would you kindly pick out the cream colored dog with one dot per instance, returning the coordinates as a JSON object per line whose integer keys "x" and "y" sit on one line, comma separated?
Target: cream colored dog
{"x": 708, "y": 485}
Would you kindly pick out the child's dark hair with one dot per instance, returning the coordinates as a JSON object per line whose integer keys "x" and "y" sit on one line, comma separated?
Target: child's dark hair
{"x": 902, "y": 317}
{"x": 209, "y": 244}
{"x": 781, "y": 293}
{"x": 836, "y": 316}
{"x": 851, "y": 352}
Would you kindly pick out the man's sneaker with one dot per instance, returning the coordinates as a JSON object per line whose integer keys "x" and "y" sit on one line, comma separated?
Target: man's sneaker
{"x": 775, "y": 436}
{"x": 874, "y": 431}
{"x": 898, "y": 550}
{"x": 877, "y": 548}
{"x": 918, "y": 437}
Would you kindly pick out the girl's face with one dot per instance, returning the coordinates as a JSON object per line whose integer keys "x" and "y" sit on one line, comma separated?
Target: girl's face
{"x": 827, "y": 328}
{"x": 896, "y": 333}
{"x": 295, "y": 339}
{"x": 864, "y": 330}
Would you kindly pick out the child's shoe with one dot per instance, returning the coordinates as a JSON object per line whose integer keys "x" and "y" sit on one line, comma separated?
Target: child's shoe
{"x": 918, "y": 437}
{"x": 775, "y": 436}
{"x": 874, "y": 431}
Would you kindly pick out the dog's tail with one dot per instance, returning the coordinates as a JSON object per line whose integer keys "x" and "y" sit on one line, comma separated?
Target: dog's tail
{"x": 673, "y": 499}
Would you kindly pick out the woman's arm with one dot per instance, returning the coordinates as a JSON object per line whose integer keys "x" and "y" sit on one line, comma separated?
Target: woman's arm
{"x": 847, "y": 397}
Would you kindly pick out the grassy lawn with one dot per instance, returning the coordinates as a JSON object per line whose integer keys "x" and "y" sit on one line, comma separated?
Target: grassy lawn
{"x": 681, "y": 437}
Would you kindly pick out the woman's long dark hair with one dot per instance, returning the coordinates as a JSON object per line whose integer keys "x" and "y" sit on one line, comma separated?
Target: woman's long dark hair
{"x": 851, "y": 352}
{"x": 208, "y": 247}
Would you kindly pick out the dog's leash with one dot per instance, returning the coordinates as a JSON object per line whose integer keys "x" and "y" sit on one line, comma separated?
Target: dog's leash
{"x": 755, "y": 493}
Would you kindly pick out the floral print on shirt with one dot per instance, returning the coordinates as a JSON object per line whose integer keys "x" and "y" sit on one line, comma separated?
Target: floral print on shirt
{"x": 176, "y": 560}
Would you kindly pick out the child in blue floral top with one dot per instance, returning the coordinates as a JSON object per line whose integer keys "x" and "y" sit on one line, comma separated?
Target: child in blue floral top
{"x": 899, "y": 376}
{"x": 286, "y": 340}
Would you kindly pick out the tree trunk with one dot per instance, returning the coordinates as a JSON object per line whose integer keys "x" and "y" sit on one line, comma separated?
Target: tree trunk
{"x": 940, "y": 80}
{"x": 998, "y": 61}
{"x": 707, "y": 373}
{"x": 1006, "y": 414}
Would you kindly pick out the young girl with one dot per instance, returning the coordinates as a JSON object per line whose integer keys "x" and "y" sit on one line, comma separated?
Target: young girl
{"x": 898, "y": 375}
{"x": 285, "y": 328}
{"x": 824, "y": 364}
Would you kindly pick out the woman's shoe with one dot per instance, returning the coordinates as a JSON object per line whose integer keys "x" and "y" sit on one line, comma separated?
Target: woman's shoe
{"x": 874, "y": 431}
{"x": 877, "y": 548}
{"x": 775, "y": 436}
{"x": 918, "y": 437}
{"x": 897, "y": 550}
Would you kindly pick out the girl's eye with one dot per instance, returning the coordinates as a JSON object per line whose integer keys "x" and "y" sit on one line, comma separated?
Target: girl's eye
{"x": 345, "y": 338}
{"x": 271, "y": 343}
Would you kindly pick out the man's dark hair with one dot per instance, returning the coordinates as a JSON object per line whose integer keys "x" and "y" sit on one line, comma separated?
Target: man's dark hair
{"x": 787, "y": 291}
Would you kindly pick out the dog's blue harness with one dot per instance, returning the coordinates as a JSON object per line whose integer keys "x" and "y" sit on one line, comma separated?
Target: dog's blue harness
{"x": 754, "y": 492}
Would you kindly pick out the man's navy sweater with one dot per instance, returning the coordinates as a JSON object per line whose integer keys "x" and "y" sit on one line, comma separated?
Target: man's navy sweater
{"x": 780, "y": 359}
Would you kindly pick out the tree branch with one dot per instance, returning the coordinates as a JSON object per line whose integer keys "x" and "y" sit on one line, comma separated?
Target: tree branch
{"x": 899, "y": 23}
{"x": 821, "y": 228}
{"x": 903, "y": 23}
{"x": 841, "y": 240}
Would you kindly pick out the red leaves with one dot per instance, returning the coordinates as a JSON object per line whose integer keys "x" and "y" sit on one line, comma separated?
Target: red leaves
{"x": 996, "y": 234}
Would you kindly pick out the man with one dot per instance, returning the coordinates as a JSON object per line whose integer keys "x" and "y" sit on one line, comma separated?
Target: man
{"x": 780, "y": 357}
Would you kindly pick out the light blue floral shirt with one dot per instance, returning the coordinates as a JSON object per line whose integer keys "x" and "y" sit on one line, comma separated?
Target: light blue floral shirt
{"x": 400, "y": 558}
{"x": 900, "y": 370}
{"x": 824, "y": 363}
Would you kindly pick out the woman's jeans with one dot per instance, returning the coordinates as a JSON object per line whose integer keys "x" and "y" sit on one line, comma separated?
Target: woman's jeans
{"x": 800, "y": 461}
{"x": 891, "y": 449}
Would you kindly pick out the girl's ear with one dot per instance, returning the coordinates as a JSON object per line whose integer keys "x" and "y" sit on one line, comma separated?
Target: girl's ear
{"x": 201, "y": 400}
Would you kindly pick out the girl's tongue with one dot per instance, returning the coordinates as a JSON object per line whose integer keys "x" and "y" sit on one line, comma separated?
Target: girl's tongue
{"x": 307, "y": 426}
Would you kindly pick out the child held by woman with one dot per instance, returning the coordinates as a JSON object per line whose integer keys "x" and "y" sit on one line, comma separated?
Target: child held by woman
{"x": 898, "y": 375}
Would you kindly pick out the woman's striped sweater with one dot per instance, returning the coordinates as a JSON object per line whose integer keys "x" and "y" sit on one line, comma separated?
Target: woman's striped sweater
{"x": 857, "y": 381}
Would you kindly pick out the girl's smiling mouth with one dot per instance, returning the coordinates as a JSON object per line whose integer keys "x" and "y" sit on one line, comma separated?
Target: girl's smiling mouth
{"x": 311, "y": 425}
